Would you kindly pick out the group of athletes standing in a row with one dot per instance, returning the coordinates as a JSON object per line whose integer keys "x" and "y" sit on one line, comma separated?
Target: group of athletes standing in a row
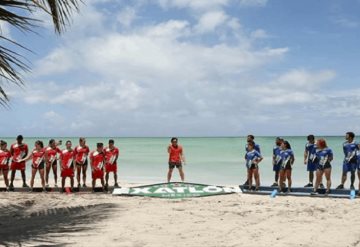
{"x": 317, "y": 157}
{"x": 102, "y": 162}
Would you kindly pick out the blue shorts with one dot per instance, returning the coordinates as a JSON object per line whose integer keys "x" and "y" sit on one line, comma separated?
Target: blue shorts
{"x": 349, "y": 167}
{"x": 277, "y": 167}
{"x": 311, "y": 167}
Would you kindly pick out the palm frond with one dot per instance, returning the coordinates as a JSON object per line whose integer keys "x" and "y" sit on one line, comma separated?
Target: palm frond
{"x": 11, "y": 62}
{"x": 60, "y": 10}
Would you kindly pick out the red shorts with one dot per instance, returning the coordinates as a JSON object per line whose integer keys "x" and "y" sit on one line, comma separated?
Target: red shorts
{"x": 98, "y": 174}
{"x": 4, "y": 167}
{"x": 67, "y": 173}
{"x": 111, "y": 168}
{"x": 17, "y": 166}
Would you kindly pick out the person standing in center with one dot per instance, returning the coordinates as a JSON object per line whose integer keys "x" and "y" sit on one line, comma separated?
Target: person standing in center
{"x": 287, "y": 160}
{"x": 309, "y": 157}
{"x": 277, "y": 160}
{"x": 250, "y": 139}
{"x": 176, "y": 157}
{"x": 81, "y": 159}
{"x": 97, "y": 160}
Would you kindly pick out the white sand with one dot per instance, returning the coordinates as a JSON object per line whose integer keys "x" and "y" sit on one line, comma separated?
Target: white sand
{"x": 229, "y": 220}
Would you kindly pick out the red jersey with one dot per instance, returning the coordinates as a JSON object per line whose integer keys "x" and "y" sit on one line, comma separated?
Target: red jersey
{"x": 67, "y": 158}
{"x": 97, "y": 160}
{"x": 38, "y": 157}
{"x": 110, "y": 155}
{"x": 175, "y": 152}
{"x": 51, "y": 154}
{"x": 18, "y": 151}
{"x": 81, "y": 154}
{"x": 4, "y": 157}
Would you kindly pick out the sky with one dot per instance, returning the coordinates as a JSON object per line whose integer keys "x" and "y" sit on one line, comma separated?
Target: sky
{"x": 191, "y": 68}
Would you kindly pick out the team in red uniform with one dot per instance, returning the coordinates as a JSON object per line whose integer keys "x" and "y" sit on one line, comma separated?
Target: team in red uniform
{"x": 51, "y": 161}
{"x": 97, "y": 160}
{"x": 81, "y": 154}
{"x": 176, "y": 157}
{"x": 38, "y": 163}
{"x": 67, "y": 160}
{"x": 18, "y": 151}
{"x": 111, "y": 156}
{"x": 4, "y": 162}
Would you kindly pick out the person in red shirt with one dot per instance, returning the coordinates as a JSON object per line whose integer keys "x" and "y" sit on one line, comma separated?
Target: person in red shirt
{"x": 4, "y": 162}
{"x": 176, "y": 157}
{"x": 111, "y": 156}
{"x": 97, "y": 160}
{"x": 67, "y": 165}
{"x": 18, "y": 151}
{"x": 38, "y": 163}
{"x": 51, "y": 161}
{"x": 81, "y": 160}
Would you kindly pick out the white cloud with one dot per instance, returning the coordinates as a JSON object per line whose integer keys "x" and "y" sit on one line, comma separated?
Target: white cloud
{"x": 193, "y": 4}
{"x": 126, "y": 16}
{"x": 253, "y": 3}
{"x": 210, "y": 21}
{"x": 345, "y": 22}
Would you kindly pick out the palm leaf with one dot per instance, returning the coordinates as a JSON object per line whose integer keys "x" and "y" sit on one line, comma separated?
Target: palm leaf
{"x": 11, "y": 62}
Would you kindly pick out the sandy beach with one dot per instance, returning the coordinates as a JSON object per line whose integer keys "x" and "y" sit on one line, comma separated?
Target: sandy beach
{"x": 29, "y": 219}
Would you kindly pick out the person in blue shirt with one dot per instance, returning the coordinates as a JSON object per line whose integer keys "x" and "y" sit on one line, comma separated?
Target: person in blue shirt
{"x": 324, "y": 156}
{"x": 253, "y": 158}
{"x": 250, "y": 138}
{"x": 287, "y": 160}
{"x": 350, "y": 148}
{"x": 309, "y": 156}
{"x": 276, "y": 160}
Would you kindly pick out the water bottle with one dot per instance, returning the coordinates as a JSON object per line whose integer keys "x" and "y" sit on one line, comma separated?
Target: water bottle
{"x": 352, "y": 194}
{"x": 274, "y": 193}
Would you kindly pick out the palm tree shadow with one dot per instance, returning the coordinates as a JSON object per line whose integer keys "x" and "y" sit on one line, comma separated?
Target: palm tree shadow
{"x": 43, "y": 227}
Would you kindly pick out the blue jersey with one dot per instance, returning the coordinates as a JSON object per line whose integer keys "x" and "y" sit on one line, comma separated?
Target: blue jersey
{"x": 350, "y": 150}
{"x": 256, "y": 147}
{"x": 276, "y": 155}
{"x": 251, "y": 157}
{"x": 310, "y": 149}
{"x": 286, "y": 157}
{"x": 324, "y": 156}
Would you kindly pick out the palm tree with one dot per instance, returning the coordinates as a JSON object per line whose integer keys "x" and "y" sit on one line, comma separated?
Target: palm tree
{"x": 18, "y": 14}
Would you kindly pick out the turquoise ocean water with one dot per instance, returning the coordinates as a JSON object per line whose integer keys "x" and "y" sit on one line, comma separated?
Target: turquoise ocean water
{"x": 210, "y": 160}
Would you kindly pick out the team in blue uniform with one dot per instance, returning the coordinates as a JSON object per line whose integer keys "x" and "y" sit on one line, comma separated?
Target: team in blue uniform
{"x": 323, "y": 158}
{"x": 277, "y": 160}
{"x": 309, "y": 156}
{"x": 350, "y": 148}
{"x": 287, "y": 160}
{"x": 253, "y": 158}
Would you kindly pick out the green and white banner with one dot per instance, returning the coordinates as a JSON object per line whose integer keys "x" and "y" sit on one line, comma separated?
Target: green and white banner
{"x": 176, "y": 190}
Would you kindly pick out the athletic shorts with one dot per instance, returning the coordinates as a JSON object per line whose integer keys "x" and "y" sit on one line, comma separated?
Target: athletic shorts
{"x": 85, "y": 163}
{"x": 349, "y": 167}
{"x": 253, "y": 166}
{"x": 311, "y": 166}
{"x": 40, "y": 166}
{"x": 4, "y": 167}
{"x": 173, "y": 164}
{"x": 52, "y": 164}
{"x": 326, "y": 166}
{"x": 111, "y": 168}
{"x": 276, "y": 168}
{"x": 97, "y": 174}
{"x": 17, "y": 166}
{"x": 287, "y": 167}
{"x": 67, "y": 172}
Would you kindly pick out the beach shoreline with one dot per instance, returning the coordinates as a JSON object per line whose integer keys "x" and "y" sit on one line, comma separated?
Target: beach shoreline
{"x": 86, "y": 219}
